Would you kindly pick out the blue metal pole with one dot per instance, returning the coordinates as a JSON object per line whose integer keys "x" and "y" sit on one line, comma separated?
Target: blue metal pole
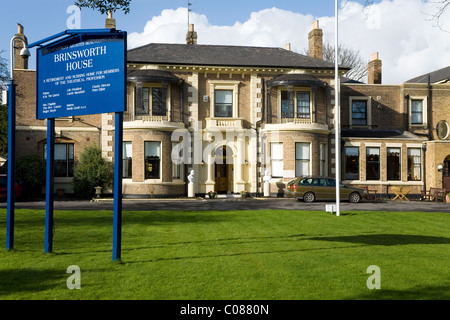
{"x": 117, "y": 232}
{"x": 11, "y": 183}
{"x": 49, "y": 185}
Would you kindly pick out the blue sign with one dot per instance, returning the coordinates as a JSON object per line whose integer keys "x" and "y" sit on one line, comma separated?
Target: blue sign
{"x": 81, "y": 75}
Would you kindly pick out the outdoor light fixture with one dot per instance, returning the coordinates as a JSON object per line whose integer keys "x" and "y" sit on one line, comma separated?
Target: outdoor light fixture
{"x": 440, "y": 167}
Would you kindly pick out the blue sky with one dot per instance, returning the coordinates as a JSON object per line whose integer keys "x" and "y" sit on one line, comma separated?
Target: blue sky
{"x": 408, "y": 43}
{"x": 42, "y": 18}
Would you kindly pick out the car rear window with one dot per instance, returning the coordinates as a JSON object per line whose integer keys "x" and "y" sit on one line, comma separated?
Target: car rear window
{"x": 306, "y": 182}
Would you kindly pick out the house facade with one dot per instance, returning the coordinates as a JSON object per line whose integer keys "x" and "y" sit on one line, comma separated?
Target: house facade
{"x": 235, "y": 114}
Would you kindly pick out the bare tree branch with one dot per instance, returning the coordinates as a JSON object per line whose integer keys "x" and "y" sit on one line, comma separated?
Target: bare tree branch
{"x": 349, "y": 58}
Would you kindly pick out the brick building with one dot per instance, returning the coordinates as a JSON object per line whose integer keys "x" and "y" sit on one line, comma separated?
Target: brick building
{"x": 233, "y": 113}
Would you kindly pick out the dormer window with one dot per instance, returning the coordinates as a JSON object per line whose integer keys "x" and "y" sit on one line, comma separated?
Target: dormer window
{"x": 418, "y": 106}
{"x": 360, "y": 111}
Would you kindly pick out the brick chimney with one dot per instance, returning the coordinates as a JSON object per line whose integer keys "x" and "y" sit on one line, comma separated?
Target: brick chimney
{"x": 191, "y": 36}
{"x": 374, "y": 70}
{"x": 19, "y": 61}
{"x": 315, "y": 41}
{"x": 110, "y": 23}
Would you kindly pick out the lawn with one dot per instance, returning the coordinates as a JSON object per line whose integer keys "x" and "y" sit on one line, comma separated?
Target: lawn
{"x": 228, "y": 255}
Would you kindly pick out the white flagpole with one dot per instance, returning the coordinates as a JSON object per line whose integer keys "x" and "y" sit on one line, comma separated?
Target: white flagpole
{"x": 336, "y": 113}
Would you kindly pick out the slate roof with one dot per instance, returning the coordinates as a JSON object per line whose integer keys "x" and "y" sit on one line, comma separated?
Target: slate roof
{"x": 436, "y": 76}
{"x": 219, "y": 55}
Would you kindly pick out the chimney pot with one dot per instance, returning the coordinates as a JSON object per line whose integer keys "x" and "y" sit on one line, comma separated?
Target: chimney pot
{"x": 288, "y": 46}
{"x": 374, "y": 69}
{"x": 191, "y": 36}
{"x": 315, "y": 39}
{"x": 20, "y": 62}
{"x": 19, "y": 28}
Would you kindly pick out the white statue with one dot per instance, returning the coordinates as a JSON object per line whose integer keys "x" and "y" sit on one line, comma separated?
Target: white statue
{"x": 266, "y": 176}
{"x": 191, "y": 177}
{"x": 191, "y": 192}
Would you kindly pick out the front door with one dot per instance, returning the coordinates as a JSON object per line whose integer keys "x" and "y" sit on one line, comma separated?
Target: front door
{"x": 221, "y": 178}
{"x": 224, "y": 170}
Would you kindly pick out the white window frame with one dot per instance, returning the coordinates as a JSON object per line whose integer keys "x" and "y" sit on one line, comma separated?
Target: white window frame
{"x": 276, "y": 157}
{"x": 224, "y": 85}
{"x": 124, "y": 148}
{"x": 412, "y": 147}
{"x": 368, "y": 111}
{"x": 303, "y": 159}
{"x": 424, "y": 111}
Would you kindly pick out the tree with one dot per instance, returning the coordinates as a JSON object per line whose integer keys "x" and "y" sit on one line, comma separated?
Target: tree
{"x": 4, "y": 77}
{"x": 347, "y": 58}
{"x": 91, "y": 171}
{"x": 105, "y": 6}
{"x": 441, "y": 7}
{"x": 3, "y": 130}
{"x": 437, "y": 15}
{"x": 4, "y": 74}
{"x": 30, "y": 173}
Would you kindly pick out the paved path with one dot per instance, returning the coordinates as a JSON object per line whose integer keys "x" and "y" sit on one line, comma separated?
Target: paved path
{"x": 236, "y": 204}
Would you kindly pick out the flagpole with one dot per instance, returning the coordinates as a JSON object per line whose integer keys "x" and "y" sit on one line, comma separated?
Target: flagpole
{"x": 336, "y": 113}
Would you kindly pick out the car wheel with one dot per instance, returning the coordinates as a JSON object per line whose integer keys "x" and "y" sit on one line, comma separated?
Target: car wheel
{"x": 354, "y": 197}
{"x": 309, "y": 197}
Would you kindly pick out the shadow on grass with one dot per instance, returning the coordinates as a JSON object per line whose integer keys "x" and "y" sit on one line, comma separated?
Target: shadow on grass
{"x": 387, "y": 239}
{"x": 105, "y": 218}
{"x": 29, "y": 280}
{"x": 441, "y": 292}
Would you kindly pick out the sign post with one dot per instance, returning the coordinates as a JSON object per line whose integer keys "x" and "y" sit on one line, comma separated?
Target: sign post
{"x": 82, "y": 72}
{"x": 11, "y": 185}
{"x": 49, "y": 185}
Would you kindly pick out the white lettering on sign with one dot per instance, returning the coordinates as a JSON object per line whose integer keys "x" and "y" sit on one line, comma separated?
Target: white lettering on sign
{"x": 78, "y": 55}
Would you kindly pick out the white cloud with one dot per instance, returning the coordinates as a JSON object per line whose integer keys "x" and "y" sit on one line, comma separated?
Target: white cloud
{"x": 400, "y": 30}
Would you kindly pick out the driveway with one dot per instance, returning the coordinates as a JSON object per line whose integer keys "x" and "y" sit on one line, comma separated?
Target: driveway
{"x": 235, "y": 204}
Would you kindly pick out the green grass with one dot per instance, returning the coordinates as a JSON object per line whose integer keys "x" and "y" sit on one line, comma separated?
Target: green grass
{"x": 264, "y": 255}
